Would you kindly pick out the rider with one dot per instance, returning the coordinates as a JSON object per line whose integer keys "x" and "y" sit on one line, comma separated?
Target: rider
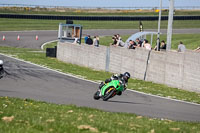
{"x": 123, "y": 78}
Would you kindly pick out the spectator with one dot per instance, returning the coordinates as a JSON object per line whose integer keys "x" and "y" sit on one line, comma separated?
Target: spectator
{"x": 197, "y": 49}
{"x": 89, "y": 41}
{"x": 119, "y": 41}
{"x": 95, "y": 41}
{"x": 86, "y": 37}
{"x": 163, "y": 45}
{"x": 139, "y": 43}
{"x": 146, "y": 44}
{"x": 132, "y": 44}
{"x": 114, "y": 40}
{"x": 118, "y": 38}
{"x": 181, "y": 47}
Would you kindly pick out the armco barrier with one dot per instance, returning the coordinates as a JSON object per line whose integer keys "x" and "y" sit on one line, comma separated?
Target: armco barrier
{"x": 181, "y": 70}
{"x": 97, "y": 18}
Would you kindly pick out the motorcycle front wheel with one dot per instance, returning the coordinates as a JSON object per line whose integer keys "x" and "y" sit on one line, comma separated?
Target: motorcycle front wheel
{"x": 110, "y": 92}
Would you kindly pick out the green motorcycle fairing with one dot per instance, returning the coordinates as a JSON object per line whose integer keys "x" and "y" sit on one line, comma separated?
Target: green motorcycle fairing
{"x": 114, "y": 83}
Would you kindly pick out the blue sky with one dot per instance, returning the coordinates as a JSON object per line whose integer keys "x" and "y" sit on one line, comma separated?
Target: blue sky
{"x": 103, "y": 3}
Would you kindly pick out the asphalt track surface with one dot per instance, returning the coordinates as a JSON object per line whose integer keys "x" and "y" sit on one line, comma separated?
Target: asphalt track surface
{"x": 24, "y": 80}
{"x": 27, "y": 38}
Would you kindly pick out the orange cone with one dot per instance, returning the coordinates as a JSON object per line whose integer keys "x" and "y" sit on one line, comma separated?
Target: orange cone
{"x": 36, "y": 37}
{"x": 18, "y": 37}
{"x": 4, "y": 38}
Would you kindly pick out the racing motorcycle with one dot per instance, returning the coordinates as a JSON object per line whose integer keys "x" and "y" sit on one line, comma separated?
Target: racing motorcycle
{"x": 109, "y": 90}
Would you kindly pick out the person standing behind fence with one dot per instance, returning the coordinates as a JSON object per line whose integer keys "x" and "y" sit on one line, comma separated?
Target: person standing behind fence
{"x": 89, "y": 41}
{"x": 96, "y": 41}
{"x": 181, "y": 47}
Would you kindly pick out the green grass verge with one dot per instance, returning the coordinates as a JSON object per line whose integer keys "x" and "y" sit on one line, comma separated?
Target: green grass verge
{"x": 28, "y": 24}
{"x": 33, "y": 24}
{"x": 91, "y": 12}
{"x": 87, "y": 73}
{"x": 31, "y": 116}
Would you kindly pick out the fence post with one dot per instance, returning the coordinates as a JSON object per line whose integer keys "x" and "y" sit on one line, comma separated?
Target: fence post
{"x": 60, "y": 31}
{"x": 107, "y": 59}
{"x": 170, "y": 24}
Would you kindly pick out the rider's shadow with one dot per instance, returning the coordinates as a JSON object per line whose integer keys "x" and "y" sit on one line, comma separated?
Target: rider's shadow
{"x": 10, "y": 75}
{"x": 125, "y": 102}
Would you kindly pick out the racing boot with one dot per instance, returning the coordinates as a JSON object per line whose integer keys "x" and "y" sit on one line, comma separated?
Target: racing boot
{"x": 101, "y": 85}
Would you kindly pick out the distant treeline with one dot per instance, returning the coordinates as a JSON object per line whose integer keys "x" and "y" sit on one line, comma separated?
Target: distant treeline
{"x": 98, "y": 18}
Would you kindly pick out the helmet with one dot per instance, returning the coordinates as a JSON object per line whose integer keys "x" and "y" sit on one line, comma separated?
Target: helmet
{"x": 126, "y": 75}
{"x": 1, "y": 62}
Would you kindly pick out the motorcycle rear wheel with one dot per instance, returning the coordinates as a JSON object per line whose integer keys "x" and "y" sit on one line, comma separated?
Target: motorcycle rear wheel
{"x": 96, "y": 95}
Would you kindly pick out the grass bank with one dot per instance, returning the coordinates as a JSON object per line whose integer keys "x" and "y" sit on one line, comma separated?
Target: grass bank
{"x": 7, "y": 24}
{"x": 24, "y": 115}
{"x": 87, "y": 73}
